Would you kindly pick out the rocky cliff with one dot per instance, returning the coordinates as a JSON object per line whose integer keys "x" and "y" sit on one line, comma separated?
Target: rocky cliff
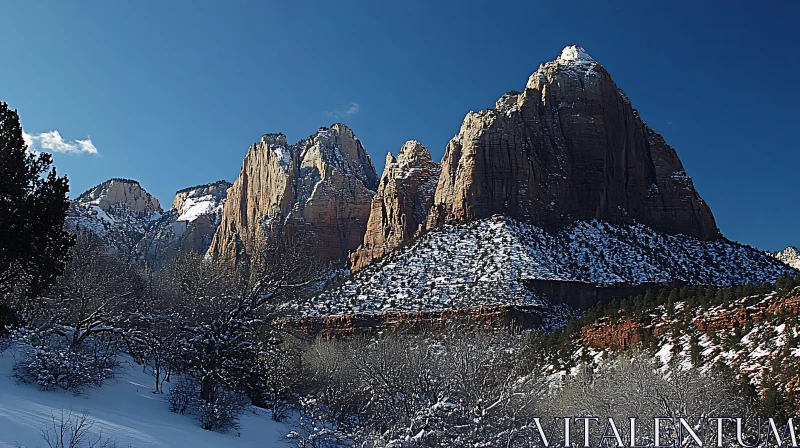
{"x": 568, "y": 147}
{"x": 320, "y": 189}
{"x": 403, "y": 200}
{"x": 189, "y": 225}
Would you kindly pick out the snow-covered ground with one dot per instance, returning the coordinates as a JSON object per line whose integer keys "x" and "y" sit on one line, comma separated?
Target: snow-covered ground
{"x": 123, "y": 409}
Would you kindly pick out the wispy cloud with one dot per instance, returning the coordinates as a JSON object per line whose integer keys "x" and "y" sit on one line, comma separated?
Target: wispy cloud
{"x": 352, "y": 109}
{"x": 53, "y": 142}
{"x": 669, "y": 123}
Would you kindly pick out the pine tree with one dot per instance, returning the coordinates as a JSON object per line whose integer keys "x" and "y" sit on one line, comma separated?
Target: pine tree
{"x": 34, "y": 246}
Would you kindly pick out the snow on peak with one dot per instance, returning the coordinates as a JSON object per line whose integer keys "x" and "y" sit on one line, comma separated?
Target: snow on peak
{"x": 574, "y": 54}
{"x": 790, "y": 256}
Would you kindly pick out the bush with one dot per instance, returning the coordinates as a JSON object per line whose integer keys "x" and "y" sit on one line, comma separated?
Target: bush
{"x": 183, "y": 395}
{"x": 222, "y": 414}
{"x": 52, "y": 363}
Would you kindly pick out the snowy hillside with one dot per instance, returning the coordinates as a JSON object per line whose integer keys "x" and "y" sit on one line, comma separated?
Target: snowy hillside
{"x": 125, "y": 410}
{"x": 756, "y": 336}
{"x": 488, "y": 262}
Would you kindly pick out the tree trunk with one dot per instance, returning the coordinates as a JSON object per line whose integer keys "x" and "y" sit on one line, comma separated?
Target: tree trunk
{"x": 207, "y": 388}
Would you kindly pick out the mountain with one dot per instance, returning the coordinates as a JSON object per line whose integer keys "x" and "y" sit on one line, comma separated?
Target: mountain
{"x": 129, "y": 221}
{"x": 319, "y": 189}
{"x": 561, "y": 194}
{"x": 568, "y": 147}
{"x": 790, "y": 256}
{"x": 189, "y": 225}
{"x": 500, "y": 260}
{"x": 117, "y": 211}
{"x": 402, "y": 202}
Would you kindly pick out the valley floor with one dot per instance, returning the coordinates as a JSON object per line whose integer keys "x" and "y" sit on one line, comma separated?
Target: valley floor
{"x": 124, "y": 409}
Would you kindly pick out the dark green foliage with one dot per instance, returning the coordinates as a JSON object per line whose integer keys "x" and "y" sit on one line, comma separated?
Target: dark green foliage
{"x": 33, "y": 203}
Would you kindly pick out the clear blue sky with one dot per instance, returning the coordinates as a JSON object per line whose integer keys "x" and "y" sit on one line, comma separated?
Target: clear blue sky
{"x": 172, "y": 93}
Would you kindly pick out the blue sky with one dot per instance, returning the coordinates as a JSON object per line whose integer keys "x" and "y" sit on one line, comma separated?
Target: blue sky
{"x": 173, "y": 93}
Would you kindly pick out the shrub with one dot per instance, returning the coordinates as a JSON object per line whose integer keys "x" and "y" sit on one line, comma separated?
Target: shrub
{"x": 222, "y": 414}
{"x": 52, "y": 363}
{"x": 183, "y": 395}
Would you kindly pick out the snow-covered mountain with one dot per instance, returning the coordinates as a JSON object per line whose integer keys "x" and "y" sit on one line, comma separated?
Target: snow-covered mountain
{"x": 129, "y": 221}
{"x": 189, "y": 225}
{"x": 790, "y": 256}
{"x": 498, "y": 260}
{"x": 117, "y": 211}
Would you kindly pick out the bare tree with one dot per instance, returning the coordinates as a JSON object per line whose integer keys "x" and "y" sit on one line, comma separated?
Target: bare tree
{"x": 72, "y": 431}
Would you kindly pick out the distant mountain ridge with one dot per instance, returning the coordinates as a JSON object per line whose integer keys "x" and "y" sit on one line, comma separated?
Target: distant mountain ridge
{"x": 129, "y": 221}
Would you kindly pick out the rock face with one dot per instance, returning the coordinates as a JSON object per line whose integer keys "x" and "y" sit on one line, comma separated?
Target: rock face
{"x": 790, "y": 256}
{"x": 119, "y": 212}
{"x": 402, "y": 203}
{"x": 189, "y": 225}
{"x": 568, "y": 147}
{"x": 319, "y": 189}
{"x": 120, "y": 193}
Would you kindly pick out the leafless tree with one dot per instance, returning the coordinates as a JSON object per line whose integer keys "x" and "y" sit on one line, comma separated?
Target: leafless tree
{"x": 72, "y": 431}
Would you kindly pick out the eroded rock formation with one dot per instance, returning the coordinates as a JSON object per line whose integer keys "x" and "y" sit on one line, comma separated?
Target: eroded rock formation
{"x": 319, "y": 189}
{"x": 568, "y": 147}
{"x": 401, "y": 205}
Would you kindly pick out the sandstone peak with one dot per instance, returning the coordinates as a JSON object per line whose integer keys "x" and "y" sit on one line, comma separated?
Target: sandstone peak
{"x": 193, "y": 202}
{"x": 569, "y": 147}
{"x": 790, "y": 256}
{"x": 321, "y": 187}
{"x": 413, "y": 153}
{"x": 401, "y": 204}
{"x": 274, "y": 139}
{"x": 119, "y": 192}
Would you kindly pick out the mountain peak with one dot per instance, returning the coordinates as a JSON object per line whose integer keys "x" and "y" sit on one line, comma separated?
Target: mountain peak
{"x": 575, "y": 55}
{"x": 276, "y": 138}
{"x": 790, "y": 256}
{"x": 117, "y": 191}
{"x": 413, "y": 153}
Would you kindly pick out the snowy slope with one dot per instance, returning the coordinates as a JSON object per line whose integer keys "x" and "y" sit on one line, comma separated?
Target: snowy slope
{"x": 123, "y": 409}
{"x": 488, "y": 261}
{"x": 756, "y": 336}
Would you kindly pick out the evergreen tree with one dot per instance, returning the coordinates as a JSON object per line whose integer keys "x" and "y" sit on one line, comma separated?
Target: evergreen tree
{"x": 34, "y": 246}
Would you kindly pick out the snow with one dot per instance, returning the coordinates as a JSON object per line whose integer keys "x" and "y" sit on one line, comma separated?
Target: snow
{"x": 195, "y": 207}
{"x": 123, "y": 409}
{"x": 790, "y": 256}
{"x": 574, "y": 54}
{"x": 284, "y": 155}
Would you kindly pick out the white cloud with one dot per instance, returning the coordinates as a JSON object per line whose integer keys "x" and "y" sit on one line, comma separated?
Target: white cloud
{"x": 53, "y": 142}
{"x": 352, "y": 109}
